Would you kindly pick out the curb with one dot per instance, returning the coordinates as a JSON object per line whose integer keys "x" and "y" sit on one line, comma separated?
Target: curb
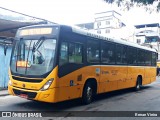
{"x": 3, "y": 92}
{"x": 1, "y": 88}
{"x": 1, "y": 95}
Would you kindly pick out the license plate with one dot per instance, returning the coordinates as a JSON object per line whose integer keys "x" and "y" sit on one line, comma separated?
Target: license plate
{"x": 24, "y": 96}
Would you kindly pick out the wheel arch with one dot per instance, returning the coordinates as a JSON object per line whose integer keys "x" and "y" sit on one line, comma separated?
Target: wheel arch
{"x": 93, "y": 81}
{"x": 141, "y": 78}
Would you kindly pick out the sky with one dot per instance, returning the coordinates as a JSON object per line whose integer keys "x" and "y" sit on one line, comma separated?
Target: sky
{"x": 76, "y": 11}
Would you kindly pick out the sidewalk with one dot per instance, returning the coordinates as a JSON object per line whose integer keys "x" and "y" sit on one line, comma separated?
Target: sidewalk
{"x": 3, "y": 92}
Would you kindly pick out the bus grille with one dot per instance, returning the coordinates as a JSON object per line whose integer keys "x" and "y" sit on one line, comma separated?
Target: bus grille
{"x": 31, "y": 95}
{"x": 27, "y": 80}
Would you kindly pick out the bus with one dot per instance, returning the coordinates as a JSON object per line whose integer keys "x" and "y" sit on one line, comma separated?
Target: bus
{"x": 54, "y": 63}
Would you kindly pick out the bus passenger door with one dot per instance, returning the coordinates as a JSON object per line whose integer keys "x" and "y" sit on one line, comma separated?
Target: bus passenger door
{"x": 70, "y": 70}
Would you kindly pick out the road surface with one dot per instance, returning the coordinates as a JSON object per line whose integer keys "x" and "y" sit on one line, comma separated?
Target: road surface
{"x": 118, "y": 103}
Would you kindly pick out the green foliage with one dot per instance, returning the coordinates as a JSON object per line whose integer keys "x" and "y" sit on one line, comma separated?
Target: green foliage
{"x": 145, "y": 2}
{"x": 128, "y": 4}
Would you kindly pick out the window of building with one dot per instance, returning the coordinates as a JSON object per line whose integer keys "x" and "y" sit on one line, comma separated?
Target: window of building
{"x": 99, "y": 31}
{"x": 138, "y": 41}
{"x": 107, "y": 30}
{"x": 98, "y": 24}
{"x": 107, "y": 22}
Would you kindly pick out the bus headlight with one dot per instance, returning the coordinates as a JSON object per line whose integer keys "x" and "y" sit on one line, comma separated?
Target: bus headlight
{"x": 47, "y": 85}
{"x": 10, "y": 82}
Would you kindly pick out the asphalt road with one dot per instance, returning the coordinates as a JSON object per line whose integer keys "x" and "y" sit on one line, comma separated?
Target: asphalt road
{"x": 122, "y": 104}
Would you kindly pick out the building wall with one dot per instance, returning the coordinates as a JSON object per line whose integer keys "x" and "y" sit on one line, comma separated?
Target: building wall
{"x": 109, "y": 24}
{"x": 4, "y": 66}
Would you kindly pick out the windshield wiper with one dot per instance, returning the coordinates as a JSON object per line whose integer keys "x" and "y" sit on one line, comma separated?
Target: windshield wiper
{"x": 28, "y": 56}
{"x": 38, "y": 44}
{"x": 18, "y": 55}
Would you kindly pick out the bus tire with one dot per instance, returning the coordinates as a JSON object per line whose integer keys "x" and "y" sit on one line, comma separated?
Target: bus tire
{"x": 138, "y": 84}
{"x": 88, "y": 93}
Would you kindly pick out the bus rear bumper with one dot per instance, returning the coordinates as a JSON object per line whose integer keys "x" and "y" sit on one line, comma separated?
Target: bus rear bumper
{"x": 44, "y": 96}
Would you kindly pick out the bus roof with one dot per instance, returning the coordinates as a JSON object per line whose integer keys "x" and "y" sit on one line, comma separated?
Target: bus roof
{"x": 78, "y": 30}
{"x": 91, "y": 34}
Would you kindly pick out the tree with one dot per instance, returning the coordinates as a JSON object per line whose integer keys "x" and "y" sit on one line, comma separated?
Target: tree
{"x": 149, "y": 5}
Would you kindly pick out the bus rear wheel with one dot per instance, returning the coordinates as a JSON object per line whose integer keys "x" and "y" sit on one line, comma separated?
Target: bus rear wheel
{"x": 88, "y": 93}
{"x": 138, "y": 84}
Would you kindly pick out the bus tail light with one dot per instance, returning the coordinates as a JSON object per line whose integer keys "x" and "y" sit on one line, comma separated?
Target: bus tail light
{"x": 47, "y": 85}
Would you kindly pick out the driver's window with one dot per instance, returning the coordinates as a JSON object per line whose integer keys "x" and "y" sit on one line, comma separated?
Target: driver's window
{"x": 63, "y": 53}
{"x": 70, "y": 53}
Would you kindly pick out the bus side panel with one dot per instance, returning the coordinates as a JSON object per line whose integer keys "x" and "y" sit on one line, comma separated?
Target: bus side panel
{"x": 122, "y": 77}
{"x": 147, "y": 76}
{"x": 150, "y": 75}
{"x": 133, "y": 72}
{"x": 71, "y": 85}
{"x": 108, "y": 79}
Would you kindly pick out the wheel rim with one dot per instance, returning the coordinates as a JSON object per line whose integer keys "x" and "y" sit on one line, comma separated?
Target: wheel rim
{"x": 138, "y": 86}
{"x": 89, "y": 93}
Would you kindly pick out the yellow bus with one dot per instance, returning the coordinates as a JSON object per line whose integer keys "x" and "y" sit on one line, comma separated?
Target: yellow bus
{"x": 53, "y": 63}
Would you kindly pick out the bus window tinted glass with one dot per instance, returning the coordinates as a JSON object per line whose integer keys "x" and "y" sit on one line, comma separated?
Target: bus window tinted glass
{"x": 70, "y": 53}
{"x": 154, "y": 59}
{"x": 141, "y": 57}
{"x": 148, "y": 58}
{"x": 108, "y": 53}
{"x": 121, "y": 52}
{"x": 75, "y": 53}
{"x": 93, "y": 51}
{"x": 63, "y": 54}
{"x": 124, "y": 55}
{"x": 132, "y": 56}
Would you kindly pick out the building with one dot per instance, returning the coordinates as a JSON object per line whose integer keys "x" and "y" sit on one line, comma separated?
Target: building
{"x": 148, "y": 35}
{"x": 109, "y": 23}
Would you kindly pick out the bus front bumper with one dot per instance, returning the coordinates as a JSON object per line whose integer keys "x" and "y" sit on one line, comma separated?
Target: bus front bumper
{"x": 44, "y": 96}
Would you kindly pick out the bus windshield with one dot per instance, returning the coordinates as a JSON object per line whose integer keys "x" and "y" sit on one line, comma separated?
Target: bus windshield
{"x": 33, "y": 57}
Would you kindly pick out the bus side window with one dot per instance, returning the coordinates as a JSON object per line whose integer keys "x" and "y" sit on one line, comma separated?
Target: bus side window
{"x": 132, "y": 56}
{"x": 75, "y": 53}
{"x": 108, "y": 53}
{"x": 154, "y": 59}
{"x": 141, "y": 57}
{"x": 70, "y": 53}
{"x": 93, "y": 51}
{"x": 63, "y": 59}
{"x": 148, "y": 60}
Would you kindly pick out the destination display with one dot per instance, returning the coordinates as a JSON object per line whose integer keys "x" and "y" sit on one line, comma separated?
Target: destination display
{"x": 35, "y": 31}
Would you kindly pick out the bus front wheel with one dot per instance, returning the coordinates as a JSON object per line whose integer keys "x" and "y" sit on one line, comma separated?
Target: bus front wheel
{"x": 88, "y": 93}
